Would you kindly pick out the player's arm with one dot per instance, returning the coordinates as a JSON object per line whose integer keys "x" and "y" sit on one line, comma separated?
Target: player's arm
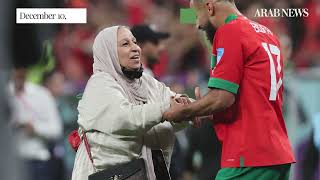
{"x": 215, "y": 100}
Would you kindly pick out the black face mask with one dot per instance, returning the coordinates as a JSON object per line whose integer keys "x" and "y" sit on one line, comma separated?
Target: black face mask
{"x": 132, "y": 74}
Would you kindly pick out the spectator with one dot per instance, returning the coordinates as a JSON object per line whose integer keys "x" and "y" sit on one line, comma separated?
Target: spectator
{"x": 151, "y": 45}
{"x": 64, "y": 155}
{"x": 36, "y": 122}
{"x": 308, "y": 154}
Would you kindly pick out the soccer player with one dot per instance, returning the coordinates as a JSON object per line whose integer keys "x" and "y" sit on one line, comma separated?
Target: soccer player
{"x": 245, "y": 97}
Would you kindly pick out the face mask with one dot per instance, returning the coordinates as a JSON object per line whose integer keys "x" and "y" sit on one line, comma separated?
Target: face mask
{"x": 132, "y": 74}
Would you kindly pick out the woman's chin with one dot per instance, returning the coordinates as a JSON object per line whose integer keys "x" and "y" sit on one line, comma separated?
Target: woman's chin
{"x": 135, "y": 66}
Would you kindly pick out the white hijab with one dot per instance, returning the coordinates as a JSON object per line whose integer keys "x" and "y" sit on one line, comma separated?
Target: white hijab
{"x": 105, "y": 54}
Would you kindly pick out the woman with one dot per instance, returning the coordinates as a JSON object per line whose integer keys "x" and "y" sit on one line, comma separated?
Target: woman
{"x": 122, "y": 108}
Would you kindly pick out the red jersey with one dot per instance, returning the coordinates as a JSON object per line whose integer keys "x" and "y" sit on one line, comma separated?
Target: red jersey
{"x": 247, "y": 62}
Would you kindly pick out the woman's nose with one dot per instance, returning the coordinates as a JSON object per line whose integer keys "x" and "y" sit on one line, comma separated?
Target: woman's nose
{"x": 136, "y": 48}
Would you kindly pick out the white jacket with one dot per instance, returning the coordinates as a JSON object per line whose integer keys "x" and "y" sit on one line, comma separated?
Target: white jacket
{"x": 123, "y": 127}
{"x": 37, "y": 107}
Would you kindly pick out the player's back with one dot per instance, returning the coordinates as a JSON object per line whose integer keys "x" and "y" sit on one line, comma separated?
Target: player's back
{"x": 258, "y": 136}
{"x": 263, "y": 68}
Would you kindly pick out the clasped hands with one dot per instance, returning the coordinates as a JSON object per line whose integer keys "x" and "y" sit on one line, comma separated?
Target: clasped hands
{"x": 179, "y": 110}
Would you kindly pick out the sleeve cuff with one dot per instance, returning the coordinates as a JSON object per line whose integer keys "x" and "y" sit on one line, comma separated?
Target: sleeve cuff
{"x": 223, "y": 84}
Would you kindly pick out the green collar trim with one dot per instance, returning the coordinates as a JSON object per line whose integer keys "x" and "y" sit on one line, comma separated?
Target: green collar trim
{"x": 230, "y": 18}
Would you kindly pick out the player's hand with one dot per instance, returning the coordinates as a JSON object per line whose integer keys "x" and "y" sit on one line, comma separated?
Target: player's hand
{"x": 198, "y": 120}
{"x": 174, "y": 113}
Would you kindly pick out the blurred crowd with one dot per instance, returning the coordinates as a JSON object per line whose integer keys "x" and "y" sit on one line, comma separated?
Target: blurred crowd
{"x": 181, "y": 61}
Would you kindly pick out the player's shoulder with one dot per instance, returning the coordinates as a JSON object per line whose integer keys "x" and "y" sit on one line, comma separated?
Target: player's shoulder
{"x": 229, "y": 27}
{"x": 234, "y": 26}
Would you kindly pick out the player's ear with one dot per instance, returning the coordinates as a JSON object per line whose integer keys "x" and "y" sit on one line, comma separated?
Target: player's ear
{"x": 210, "y": 8}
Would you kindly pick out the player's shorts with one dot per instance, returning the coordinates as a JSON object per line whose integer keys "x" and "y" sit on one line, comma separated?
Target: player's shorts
{"x": 278, "y": 172}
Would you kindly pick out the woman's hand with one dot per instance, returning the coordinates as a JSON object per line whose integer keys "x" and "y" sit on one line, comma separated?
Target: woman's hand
{"x": 174, "y": 113}
{"x": 182, "y": 100}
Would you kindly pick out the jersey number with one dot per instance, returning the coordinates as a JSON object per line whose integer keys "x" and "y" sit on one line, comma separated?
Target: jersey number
{"x": 275, "y": 86}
